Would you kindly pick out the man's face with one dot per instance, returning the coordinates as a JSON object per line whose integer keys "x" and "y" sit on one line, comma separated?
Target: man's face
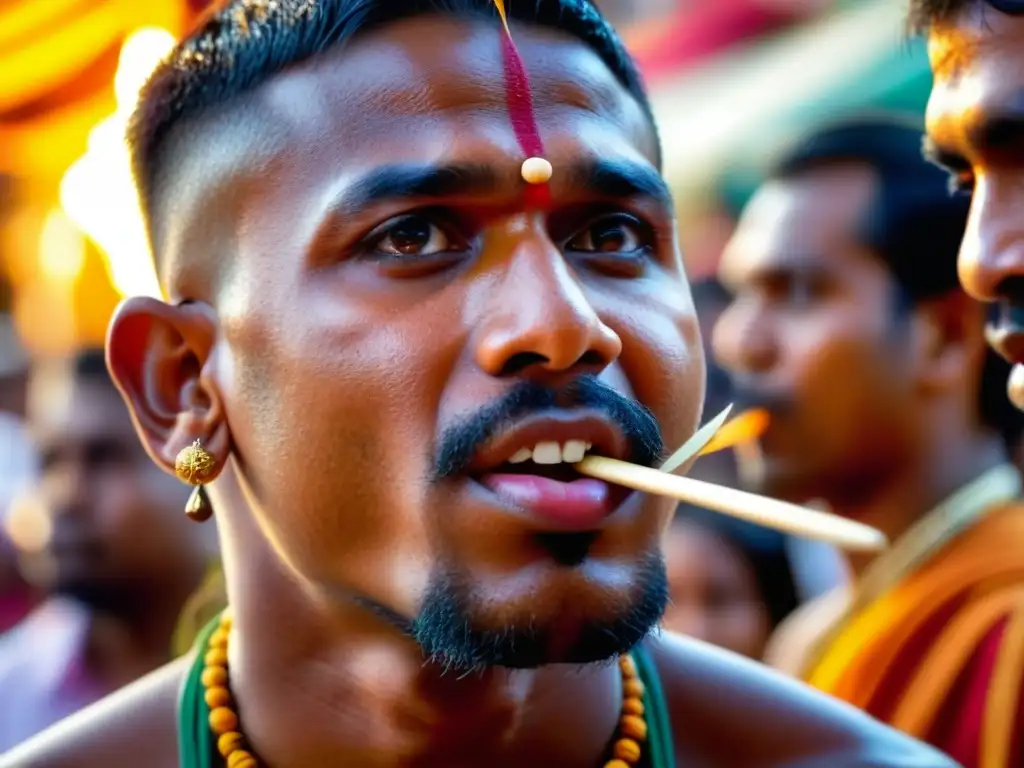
{"x": 397, "y": 329}
{"x": 976, "y": 129}
{"x": 113, "y": 517}
{"x": 810, "y": 334}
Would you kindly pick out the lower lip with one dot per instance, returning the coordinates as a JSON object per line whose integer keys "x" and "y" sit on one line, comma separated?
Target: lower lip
{"x": 576, "y": 505}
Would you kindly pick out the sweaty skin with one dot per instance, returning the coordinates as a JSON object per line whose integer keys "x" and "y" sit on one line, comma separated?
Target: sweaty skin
{"x": 329, "y": 372}
{"x": 975, "y": 123}
{"x": 976, "y": 129}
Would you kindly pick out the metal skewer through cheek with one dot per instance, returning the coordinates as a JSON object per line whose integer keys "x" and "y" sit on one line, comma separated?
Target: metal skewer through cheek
{"x": 771, "y": 513}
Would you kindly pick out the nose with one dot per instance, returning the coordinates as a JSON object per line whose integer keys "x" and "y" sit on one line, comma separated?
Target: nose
{"x": 539, "y": 321}
{"x": 991, "y": 262}
{"x": 742, "y": 340}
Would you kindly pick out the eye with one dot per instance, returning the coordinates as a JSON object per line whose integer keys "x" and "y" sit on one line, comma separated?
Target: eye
{"x": 411, "y": 236}
{"x": 794, "y": 290}
{"x": 617, "y": 233}
{"x": 801, "y": 291}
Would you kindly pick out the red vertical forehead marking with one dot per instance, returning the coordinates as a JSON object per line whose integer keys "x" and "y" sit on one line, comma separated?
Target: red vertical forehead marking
{"x": 519, "y": 98}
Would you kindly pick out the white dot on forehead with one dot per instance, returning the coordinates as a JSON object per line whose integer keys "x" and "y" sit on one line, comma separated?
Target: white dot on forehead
{"x": 536, "y": 170}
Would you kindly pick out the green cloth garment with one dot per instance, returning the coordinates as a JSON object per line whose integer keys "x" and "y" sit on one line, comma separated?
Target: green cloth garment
{"x": 197, "y": 747}
{"x": 659, "y": 751}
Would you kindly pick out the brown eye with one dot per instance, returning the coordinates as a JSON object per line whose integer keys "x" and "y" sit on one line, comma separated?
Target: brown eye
{"x": 412, "y": 236}
{"x": 612, "y": 234}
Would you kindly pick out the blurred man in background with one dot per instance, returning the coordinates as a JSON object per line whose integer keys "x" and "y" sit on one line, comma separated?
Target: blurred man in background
{"x": 117, "y": 558}
{"x": 848, "y": 324}
{"x": 976, "y": 132}
{"x": 732, "y": 583}
{"x": 17, "y": 470}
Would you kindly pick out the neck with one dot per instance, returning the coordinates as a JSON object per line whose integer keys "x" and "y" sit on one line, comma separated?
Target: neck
{"x": 910, "y": 494}
{"x": 322, "y": 682}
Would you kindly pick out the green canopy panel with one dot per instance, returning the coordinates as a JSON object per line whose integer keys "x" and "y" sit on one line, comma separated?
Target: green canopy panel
{"x": 723, "y": 124}
{"x": 899, "y": 83}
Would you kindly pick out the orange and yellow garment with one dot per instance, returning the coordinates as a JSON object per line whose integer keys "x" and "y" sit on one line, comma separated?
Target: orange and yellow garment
{"x": 934, "y": 640}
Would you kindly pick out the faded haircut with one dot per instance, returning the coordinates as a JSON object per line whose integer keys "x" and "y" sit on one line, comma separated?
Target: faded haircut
{"x": 245, "y": 43}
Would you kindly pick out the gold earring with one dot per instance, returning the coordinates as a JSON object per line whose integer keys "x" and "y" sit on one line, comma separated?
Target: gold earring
{"x": 194, "y": 465}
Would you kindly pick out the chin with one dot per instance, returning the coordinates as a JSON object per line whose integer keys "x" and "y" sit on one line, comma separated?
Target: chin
{"x": 545, "y": 614}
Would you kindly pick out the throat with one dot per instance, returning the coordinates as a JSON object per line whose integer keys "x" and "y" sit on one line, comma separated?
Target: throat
{"x": 387, "y": 713}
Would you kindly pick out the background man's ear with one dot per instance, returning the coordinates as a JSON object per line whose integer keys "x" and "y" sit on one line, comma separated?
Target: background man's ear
{"x": 951, "y": 339}
{"x": 159, "y": 356}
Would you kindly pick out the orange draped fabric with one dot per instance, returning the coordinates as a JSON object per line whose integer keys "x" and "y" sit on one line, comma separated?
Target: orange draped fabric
{"x": 57, "y": 63}
{"x": 941, "y": 655}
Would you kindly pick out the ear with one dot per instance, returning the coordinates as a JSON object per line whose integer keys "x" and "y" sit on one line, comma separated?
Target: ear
{"x": 949, "y": 340}
{"x": 159, "y": 357}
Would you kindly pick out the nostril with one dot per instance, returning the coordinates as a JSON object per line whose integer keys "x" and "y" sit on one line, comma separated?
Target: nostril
{"x": 520, "y": 361}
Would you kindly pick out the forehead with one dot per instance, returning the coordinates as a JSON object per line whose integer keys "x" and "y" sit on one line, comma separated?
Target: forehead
{"x": 807, "y": 221}
{"x": 978, "y": 65}
{"x": 427, "y": 89}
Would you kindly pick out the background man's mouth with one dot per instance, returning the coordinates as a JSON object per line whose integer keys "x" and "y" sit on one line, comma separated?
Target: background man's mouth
{"x": 1007, "y": 339}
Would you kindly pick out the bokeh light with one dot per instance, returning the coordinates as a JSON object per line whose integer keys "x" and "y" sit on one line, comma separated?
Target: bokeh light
{"x": 97, "y": 192}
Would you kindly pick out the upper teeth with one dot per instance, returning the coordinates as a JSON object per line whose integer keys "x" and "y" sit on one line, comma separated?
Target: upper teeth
{"x": 550, "y": 452}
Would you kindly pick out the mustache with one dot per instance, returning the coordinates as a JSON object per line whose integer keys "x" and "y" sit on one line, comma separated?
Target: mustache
{"x": 460, "y": 442}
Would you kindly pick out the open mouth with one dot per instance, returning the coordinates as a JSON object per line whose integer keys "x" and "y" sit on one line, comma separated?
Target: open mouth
{"x": 532, "y": 468}
{"x": 1008, "y": 341}
{"x": 549, "y": 459}
{"x": 1005, "y": 330}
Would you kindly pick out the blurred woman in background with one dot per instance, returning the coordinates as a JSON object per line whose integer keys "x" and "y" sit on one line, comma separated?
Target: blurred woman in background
{"x": 731, "y": 582}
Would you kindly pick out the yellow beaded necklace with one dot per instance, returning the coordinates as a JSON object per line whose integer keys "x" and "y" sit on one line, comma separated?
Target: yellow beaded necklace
{"x": 232, "y": 745}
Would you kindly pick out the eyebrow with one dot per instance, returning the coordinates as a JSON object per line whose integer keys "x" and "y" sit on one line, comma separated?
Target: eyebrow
{"x": 616, "y": 178}
{"x": 604, "y": 178}
{"x": 804, "y": 265}
{"x": 396, "y": 182}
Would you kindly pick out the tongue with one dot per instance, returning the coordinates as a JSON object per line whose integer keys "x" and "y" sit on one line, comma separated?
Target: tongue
{"x": 576, "y": 504}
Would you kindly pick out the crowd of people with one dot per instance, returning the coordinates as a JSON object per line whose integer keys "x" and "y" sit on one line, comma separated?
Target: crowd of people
{"x": 375, "y": 369}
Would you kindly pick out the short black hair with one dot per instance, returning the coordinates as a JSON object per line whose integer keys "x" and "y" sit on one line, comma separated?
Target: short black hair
{"x": 915, "y": 225}
{"x": 925, "y": 14}
{"x": 246, "y": 42}
{"x": 766, "y": 551}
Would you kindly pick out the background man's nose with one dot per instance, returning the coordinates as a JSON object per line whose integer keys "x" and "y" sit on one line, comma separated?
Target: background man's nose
{"x": 742, "y": 340}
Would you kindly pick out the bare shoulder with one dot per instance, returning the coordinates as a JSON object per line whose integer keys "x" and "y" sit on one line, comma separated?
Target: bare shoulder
{"x": 731, "y": 711}
{"x": 140, "y": 719}
{"x": 791, "y": 642}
